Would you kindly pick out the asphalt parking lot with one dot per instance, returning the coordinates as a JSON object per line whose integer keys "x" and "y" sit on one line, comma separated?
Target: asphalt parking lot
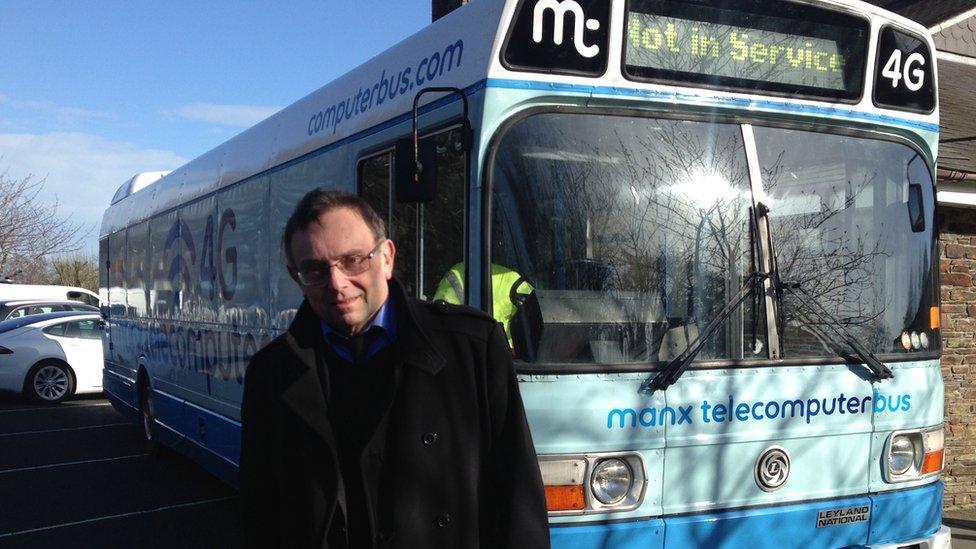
{"x": 78, "y": 475}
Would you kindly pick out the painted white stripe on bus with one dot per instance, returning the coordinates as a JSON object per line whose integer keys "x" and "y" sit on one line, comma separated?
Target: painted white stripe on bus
{"x": 112, "y": 517}
{"x": 69, "y": 463}
{"x": 62, "y": 407}
{"x": 63, "y": 430}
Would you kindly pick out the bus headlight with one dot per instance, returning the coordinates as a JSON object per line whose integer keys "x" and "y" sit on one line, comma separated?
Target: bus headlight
{"x": 901, "y": 456}
{"x": 611, "y": 481}
{"x": 914, "y": 454}
{"x": 579, "y": 484}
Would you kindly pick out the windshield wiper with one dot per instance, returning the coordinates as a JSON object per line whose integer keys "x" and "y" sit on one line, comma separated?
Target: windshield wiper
{"x": 673, "y": 370}
{"x": 877, "y": 367}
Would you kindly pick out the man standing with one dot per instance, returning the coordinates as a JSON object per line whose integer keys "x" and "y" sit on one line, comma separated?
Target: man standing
{"x": 380, "y": 420}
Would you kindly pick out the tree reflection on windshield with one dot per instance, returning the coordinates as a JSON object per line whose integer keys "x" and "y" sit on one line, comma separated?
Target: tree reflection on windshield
{"x": 840, "y": 220}
{"x": 637, "y": 227}
{"x": 635, "y": 232}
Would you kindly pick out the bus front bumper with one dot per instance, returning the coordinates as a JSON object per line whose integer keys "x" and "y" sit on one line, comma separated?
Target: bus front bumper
{"x": 939, "y": 540}
{"x": 910, "y": 518}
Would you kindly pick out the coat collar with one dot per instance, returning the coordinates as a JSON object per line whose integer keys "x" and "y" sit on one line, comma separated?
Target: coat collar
{"x": 417, "y": 346}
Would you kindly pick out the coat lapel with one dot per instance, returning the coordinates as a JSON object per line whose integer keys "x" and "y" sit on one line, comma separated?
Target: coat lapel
{"x": 302, "y": 387}
{"x": 303, "y": 391}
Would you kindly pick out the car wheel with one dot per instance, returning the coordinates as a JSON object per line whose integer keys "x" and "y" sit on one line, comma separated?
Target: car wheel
{"x": 49, "y": 382}
{"x": 147, "y": 410}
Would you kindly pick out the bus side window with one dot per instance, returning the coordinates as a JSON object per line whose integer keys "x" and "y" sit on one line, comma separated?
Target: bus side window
{"x": 429, "y": 237}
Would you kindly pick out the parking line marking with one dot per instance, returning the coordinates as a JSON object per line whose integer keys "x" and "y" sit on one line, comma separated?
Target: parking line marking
{"x": 53, "y": 465}
{"x": 64, "y": 407}
{"x": 66, "y": 429}
{"x": 112, "y": 517}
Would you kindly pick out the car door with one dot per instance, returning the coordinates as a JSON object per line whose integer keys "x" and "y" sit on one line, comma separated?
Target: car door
{"x": 81, "y": 342}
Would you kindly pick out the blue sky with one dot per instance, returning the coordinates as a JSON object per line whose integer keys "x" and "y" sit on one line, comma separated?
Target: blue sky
{"x": 92, "y": 92}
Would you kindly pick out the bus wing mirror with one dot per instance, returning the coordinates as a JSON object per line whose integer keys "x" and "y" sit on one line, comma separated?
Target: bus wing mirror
{"x": 415, "y": 170}
{"x": 916, "y": 211}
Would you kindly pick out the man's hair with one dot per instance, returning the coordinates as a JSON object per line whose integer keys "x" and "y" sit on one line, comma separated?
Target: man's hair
{"x": 320, "y": 201}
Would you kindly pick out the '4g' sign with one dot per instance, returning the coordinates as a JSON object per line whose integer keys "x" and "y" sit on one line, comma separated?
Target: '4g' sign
{"x": 904, "y": 78}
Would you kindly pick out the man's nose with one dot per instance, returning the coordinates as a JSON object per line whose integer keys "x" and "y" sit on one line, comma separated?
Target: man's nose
{"x": 336, "y": 280}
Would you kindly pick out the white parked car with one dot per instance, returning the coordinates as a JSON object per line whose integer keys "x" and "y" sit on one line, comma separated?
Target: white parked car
{"x": 52, "y": 356}
{"x": 18, "y": 308}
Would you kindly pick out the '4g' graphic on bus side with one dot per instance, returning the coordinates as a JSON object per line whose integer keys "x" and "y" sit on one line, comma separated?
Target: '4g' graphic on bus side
{"x": 559, "y": 36}
{"x": 560, "y": 8}
{"x": 184, "y": 262}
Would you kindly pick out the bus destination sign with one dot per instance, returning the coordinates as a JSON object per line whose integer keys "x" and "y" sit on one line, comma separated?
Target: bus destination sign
{"x": 791, "y": 52}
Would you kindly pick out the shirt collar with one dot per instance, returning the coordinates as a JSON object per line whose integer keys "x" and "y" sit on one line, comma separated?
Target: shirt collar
{"x": 384, "y": 319}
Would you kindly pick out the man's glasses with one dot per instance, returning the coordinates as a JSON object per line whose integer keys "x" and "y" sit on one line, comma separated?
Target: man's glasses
{"x": 349, "y": 265}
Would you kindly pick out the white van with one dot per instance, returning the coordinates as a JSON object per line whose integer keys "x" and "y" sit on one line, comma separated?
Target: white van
{"x": 37, "y": 291}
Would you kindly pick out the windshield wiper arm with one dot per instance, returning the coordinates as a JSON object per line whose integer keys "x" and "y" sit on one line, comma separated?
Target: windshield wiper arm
{"x": 877, "y": 367}
{"x": 673, "y": 370}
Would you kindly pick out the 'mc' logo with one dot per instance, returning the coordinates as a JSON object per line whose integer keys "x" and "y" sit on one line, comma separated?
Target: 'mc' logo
{"x": 560, "y": 9}
{"x": 559, "y": 36}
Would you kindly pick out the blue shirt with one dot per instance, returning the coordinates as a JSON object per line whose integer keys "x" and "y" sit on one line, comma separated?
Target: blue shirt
{"x": 384, "y": 323}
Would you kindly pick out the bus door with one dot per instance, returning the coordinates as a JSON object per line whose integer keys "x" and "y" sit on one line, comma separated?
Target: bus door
{"x": 429, "y": 238}
{"x": 111, "y": 251}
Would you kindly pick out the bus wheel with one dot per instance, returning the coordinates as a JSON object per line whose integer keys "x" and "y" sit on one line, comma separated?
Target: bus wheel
{"x": 147, "y": 410}
{"x": 49, "y": 382}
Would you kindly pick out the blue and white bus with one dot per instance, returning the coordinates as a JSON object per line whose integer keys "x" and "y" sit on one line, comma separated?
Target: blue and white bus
{"x": 725, "y": 216}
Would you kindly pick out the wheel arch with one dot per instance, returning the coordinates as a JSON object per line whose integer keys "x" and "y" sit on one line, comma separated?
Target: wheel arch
{"x": 142, "y": 377}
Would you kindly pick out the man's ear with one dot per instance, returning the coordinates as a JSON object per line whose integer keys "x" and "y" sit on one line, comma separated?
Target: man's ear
{"x": 389, "y": 258}
{"x": 293, "y": 274}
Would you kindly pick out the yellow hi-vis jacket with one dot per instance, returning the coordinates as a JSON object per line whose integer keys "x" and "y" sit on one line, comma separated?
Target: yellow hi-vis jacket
{"x": 451, "y": 290}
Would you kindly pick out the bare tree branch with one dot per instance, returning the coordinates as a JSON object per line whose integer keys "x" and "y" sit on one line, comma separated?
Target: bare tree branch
{"x": 31, "y": 229}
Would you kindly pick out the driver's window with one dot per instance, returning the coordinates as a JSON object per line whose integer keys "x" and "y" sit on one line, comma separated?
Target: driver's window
{"x": 429, "y": 238}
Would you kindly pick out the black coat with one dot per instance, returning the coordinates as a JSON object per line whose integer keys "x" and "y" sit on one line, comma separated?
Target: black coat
{"x": 452, "y": 458}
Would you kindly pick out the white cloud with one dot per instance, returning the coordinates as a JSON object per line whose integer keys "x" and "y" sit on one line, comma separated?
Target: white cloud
{"x": 81, "y": 171}
{"x": 50, "y": 108}
{"x": 225, "y": 115}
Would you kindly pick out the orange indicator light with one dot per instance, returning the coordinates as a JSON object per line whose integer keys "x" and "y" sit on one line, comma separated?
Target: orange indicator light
{"x": 932, "y": 462}
{"x": 565, "y": 498}
{"x": 933, "y": 318}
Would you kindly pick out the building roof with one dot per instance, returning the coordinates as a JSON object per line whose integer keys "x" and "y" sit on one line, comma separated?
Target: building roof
{"x": 927, "y": 12}
{"x": 959, "y": 38}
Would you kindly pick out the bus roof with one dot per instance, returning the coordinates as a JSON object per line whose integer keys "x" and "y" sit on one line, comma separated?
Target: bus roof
{"x": 460, "y": 50}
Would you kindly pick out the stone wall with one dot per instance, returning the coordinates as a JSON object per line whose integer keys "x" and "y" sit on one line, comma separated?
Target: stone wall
{"x": 958, "y": 271}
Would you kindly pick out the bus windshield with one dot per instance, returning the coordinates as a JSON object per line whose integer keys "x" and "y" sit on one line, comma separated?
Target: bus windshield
{"x": 635, "y": 232}
{"x": 852, "y": 220}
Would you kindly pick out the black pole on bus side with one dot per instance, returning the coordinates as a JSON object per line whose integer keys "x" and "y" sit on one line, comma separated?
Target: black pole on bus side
{"x": 415, "y": 162}
{"x": 440, "y": 8}
{"x": 466, "y": 136}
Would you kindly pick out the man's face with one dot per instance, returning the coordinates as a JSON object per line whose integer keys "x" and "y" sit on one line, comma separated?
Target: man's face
{"x": 346, "y": 302}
